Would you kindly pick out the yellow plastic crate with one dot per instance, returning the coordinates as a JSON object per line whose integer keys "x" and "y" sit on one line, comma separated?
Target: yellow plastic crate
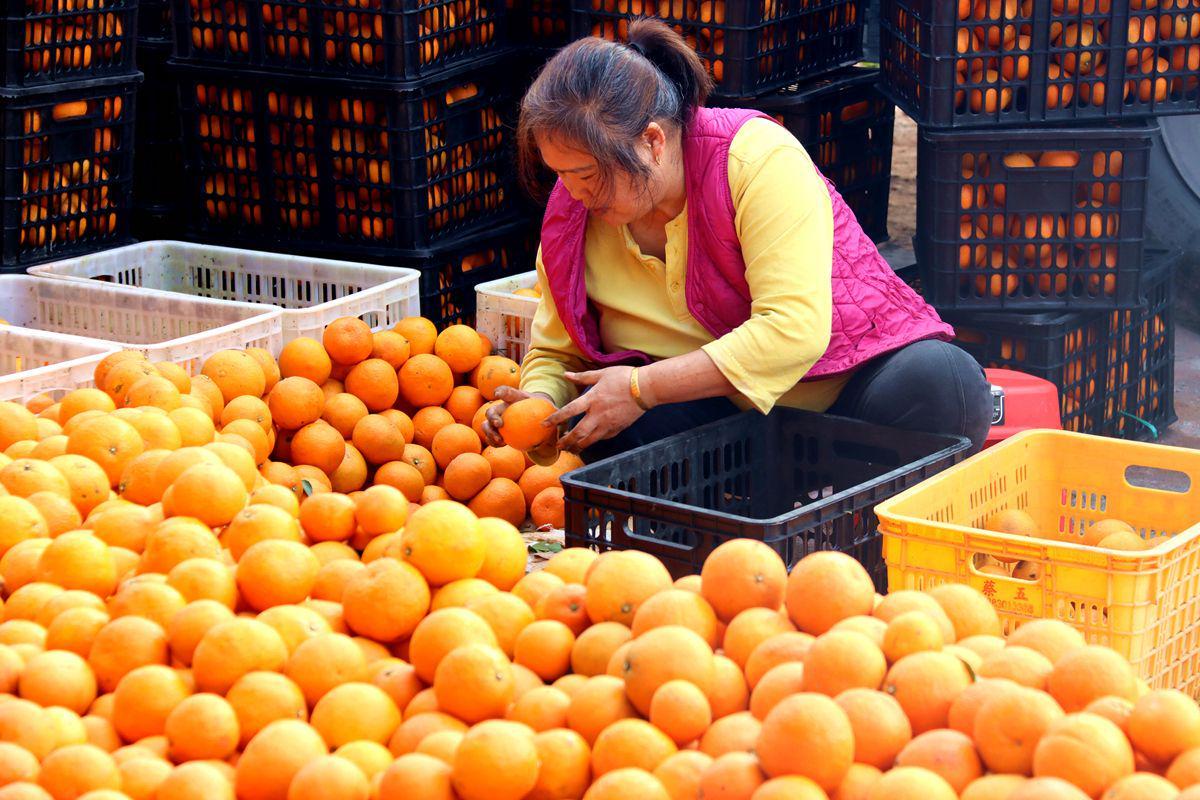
{"x": 1145, "y": 605}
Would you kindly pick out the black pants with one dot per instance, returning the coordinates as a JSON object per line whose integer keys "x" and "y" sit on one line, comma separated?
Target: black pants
{"x": 929, "y": 386}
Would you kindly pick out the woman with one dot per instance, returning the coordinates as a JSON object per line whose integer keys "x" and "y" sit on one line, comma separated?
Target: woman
{"x": 694, "y": 262}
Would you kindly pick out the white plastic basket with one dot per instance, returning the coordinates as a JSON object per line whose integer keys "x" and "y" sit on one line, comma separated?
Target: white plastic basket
{"x": 164, "y": 327}
{"x": 506, "y": 318}
{"x": 312, "y": 291}
{"x": 33, "y": 362}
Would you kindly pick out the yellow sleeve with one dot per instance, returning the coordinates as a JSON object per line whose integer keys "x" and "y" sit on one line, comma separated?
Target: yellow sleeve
{"x": 784, "y": 221}
{"x": 551, "y": 351}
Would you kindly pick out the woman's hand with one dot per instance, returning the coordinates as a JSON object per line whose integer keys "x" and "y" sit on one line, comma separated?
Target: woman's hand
{"x": 607, "y": 407}
{"x": 494, "y": 416}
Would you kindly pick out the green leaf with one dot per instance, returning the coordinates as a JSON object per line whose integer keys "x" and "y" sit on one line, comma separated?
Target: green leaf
{"x": 545, "y": 547}
{"x": 306, "y": 486}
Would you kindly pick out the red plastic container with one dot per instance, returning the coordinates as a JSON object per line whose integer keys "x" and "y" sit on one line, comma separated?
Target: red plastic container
{"x": 1020, "y": 402}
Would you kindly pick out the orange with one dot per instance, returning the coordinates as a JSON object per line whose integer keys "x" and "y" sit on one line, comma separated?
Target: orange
{"x": 965, "y": 708}
{"x": 1019, "y": 665}
{"x": 949, "y": 754}
{"x": 189, "y": 625}
{"x": 348, "y": 340}
{"x": 443, "y": 631}
{"x": 78, "y": 769}
{"x": 497, "y": 760}
{"x": 620, "y": 581}
{"x": 403, "y": 477}
{"x": 58, "y": 512}
{"x": 970, "y": 613}
{"x": 207, "y": 391}
{"x": 418, "y": 776}
{"x": 210, "y": 493}
{"x": 375, "y": 382}
{"x": 522, "y": 423}
{"x": 78, "y": 560}
{"x": 565, "y": 768}
{"x": 458, "y": 346}
{"x": 294, "y": 403}
{"x": 319, "y": 445}
{"x": 265, "y": 360}
{"x": 474, "y": 682}
{"x": 776, "y": 684}
{"x": 494, "y": 372}
{"x": 537, "y": 479}
{"x": 306, "y": 358}
{"x": 732, "y": 776}
{"x": 232, "y": 649}
{"x": 273, "y": 758}
{"x": 544, "y": 646}
{"x": 812, "y": 724}
{"x": 328, "y": 517}
{"x": 26, "y": 724}
{"x": 260, "y": 698}
{"x": 22, "y": 522}
{"x": 355, "y": 711}
{"x": 143, "y": 700}
{"x": 680, "y": 773}
{"x": 343, "y": 411}
{"x": 543, "y": 708}
{"x": 453, "y": 440}
{"x": 548, "y": 509}
{"x": 26, "y": 476}
{"x": 466, "y": 475}
{"x": 1106, "y": 758}
{"x": 500, "y": 498}
{"x": 146, "y": 596}
{"x": 279, "y": 496}
{"x": 993, "y": 787}
{"x": 152, "y": 390}
{"x": 596, "y": 705}
{"x": 901, "y": 602}
{"x": 276, "y": 572}
{"x": 58, "y": 678}
{"x": 741, "y": 574}
{"x": 107, "y": 441}
{"x": 926, "y": 684}
{"x": 677, "y": 607}
{"x": 841, "y": 660}
{"x": 380, "y": 509}
{"x": 506, "y": 614}
{"x": 371, "y": 758}
{"x": 664, "y": 654}
{"x": 881, "y": 730}
{"x": 506, "y": 462}
{"x": 257, "y": 523}
{"x": 420, "y": 333}
{"x": 1009, "y": 725}
{"x": 625, "y": 783}
{"x": 329, "y": 777}
{"x": 827, "y": 587}
{"x": 505, "y": 553}
{"x": 789, "y": 787}
{"x": 203, "y": 726}
{"x": 386, "y": 601}
{"x": 81, "y": 400}
{"x": 123, "y": 645}
{"x": 911, "y": 783}
{"x": 1164, "y": 724}
{"x": 444, "y": 541}
{"x": 426, "y": 380}
{"x": 236, "y": 373}
{"x": 427, "y": 422}
{"x": 378, "y": 438}
{"x": 391, "y": 347}
{"x": 565, "y": 604}
{"x": 100, "y": 376}
{"x": 418, "y": 725}
{"x": 1050, "y": 637}
{"x": 750, "y": 629}
{"x": 120, "y": 379}
{"x": 1089, "y": 673}
{"x": 778, "y": 649}
{"x": 194, "y": 425}
{"x": 75, "y": 630}
{"x": 681, "y": 710}
{"x": 630, "y": 743}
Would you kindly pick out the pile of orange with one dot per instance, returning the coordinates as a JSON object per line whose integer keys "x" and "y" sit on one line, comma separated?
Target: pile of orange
{"x": 1045, "y": 247}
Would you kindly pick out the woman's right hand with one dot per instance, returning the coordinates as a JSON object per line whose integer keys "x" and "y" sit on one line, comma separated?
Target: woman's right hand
{"x": 493, "y": 418}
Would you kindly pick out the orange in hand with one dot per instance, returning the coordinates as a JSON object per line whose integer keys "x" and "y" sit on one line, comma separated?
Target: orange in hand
{"x": 522, "y": 423}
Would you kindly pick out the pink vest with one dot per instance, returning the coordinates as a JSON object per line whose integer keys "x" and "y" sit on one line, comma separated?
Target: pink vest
{"x": 874, "y": 312}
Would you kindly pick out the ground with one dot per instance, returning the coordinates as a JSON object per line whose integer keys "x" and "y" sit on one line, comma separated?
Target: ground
{"x": 902, "y": 216}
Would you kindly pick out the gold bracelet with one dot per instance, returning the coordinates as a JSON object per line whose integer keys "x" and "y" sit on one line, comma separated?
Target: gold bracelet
{"x": 636, "y": 390}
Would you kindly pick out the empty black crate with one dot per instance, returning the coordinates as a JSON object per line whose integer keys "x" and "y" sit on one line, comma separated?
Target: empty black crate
{"x": 394, "y": 39}
{"x": 1115, "y": 370}
{"x": 845, "y": 124}
{"x": 750, "y": 47}
{"x": 975, "y": 63}
{"x": 1032, "y": 219}
{"x": 283, "y": 162}
{"x": 68, "y": 168}
{"x": 49, "y": 41}
{"x": 796, "y": 480}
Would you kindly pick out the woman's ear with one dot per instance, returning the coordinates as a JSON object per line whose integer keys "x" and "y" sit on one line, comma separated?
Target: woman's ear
{"x": 656, "y": 139}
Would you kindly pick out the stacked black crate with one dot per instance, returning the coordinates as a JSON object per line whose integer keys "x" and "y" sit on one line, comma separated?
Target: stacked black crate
{"x": 375, "y": 132}
{"x": 1036, "y": 120}
{"x": 68, "y": 84}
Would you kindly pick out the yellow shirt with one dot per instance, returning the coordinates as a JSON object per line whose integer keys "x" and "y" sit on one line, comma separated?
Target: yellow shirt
{"x": 784, "y": 222}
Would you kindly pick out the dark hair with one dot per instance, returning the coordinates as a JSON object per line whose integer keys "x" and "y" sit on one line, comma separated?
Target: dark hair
{"x": 600, "y": 95}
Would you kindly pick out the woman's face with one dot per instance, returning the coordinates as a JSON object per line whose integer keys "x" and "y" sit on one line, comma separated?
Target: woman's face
{"x": 625, "y": 198}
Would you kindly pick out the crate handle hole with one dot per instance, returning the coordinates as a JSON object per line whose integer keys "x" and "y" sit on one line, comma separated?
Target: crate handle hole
{"x": 1164, "y": 480}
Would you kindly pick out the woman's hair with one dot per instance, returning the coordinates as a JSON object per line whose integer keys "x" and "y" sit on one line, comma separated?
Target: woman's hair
{"x": 599, "y": 96}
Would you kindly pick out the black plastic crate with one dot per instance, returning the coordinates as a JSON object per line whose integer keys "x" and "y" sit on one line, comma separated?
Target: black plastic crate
{"x": 158, "y": 174}
{"x": 540, "y": 23}
{"x": 154, "y": 21}
{"x": 796, "y": 480}
{"x": 1115, "y": 370}
{"x": 981, "y": 63}
{"x": 845, "y": 124}
{"x": 749, "y": 47}
{"x": 1032, "y": 219}
{"x": 68, "y": 168}
{"x": 284, "y": 162}
{"x": 393, "y": 39}
{"x": 50, "y": 41}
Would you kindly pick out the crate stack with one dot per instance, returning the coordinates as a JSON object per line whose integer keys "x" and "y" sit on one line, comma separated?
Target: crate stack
{"x": 1036, "y": 122}
{"x": 68, "y": 83}
{"x": 376, "y": 132}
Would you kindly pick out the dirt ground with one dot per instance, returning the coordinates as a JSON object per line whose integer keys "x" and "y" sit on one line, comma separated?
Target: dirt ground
{"x": 902, "y": 207}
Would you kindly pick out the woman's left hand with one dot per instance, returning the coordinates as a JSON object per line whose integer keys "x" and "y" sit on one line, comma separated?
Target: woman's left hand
{"x": 607, "y": 407}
